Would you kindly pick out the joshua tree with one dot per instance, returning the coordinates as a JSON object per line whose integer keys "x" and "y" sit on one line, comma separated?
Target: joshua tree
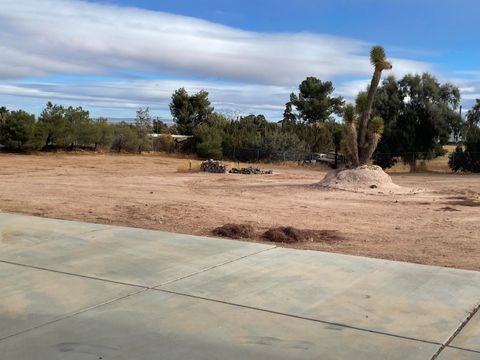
{"x": 362, "y": 146}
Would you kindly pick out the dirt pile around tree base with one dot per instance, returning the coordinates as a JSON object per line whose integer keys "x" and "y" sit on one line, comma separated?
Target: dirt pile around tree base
{"x": 366, "y": 178}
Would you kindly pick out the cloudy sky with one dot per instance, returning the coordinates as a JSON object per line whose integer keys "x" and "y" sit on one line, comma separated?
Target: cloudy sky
{"x": 114, "y": 56}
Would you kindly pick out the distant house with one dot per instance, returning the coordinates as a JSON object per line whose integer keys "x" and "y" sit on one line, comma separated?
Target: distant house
{"x": 454, "y": 138}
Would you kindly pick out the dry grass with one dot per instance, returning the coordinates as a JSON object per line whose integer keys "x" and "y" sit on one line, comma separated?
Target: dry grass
{"x": 235, "y": 231}
{"x": 189, "y": 166}
{"x": 438, "y": 165}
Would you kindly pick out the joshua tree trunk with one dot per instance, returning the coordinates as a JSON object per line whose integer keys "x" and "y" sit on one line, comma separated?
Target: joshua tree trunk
{"x": 363, "y": 123}
{"x": 352, "y": 143}
{"x": 373, "y": 139}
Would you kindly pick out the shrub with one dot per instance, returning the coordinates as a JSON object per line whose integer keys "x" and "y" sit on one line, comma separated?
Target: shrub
{"x": 164, "y": 143}
{"x": 468, "y": 160}
{"x": 209, "y": 141}
{"x": 18, "y": 131}
{"x": 126, "y": 138}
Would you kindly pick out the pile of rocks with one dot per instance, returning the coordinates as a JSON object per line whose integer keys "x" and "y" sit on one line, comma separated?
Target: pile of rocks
{"x": 213, "y": 166}
{"x": 250, "y": 171}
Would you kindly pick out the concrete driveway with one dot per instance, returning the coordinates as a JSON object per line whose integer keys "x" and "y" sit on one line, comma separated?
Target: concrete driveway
{"x": 71, "y": 290}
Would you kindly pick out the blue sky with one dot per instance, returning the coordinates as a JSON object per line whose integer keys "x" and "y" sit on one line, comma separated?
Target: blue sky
{"x": 113, "y": 56}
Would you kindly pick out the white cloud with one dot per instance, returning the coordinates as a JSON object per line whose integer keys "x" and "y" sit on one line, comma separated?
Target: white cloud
{"x": 104, "y": 94}
{"x": 243, "y": 70}
{"x": 77, "y": 37}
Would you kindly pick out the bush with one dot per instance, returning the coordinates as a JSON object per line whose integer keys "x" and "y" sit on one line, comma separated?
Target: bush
{"x": 126, "y": 138}
{"x": 164, "y": 143}
{"x": 209, "y": 141}
{"x": 464, "y": 161}
{"x": 18, "y": 132}
{"x": 468, "y": 160}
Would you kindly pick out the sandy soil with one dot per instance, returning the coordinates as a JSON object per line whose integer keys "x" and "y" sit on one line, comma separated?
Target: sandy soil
{"x": 440, "y": 226}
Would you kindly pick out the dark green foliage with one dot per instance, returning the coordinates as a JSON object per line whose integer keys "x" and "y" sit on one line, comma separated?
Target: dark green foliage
{"x": 143, "y": 127}
{"x": 125, "y": 138}
{"x": 419, "y": 113}
{"x": 18, "y": 131}
{"x": 102, "y": 133}
{"x": 159, "y": 127}
{"x": 64, "y": 127}
{"x": 189, "y": 111}
{"x": 209, "y": 141}
{"x": 289, "y": 117}
{"x": 473, "y": 115}
{"x": 3, "y": 114}
{"x": 314, "y": 102}
{"x": 468, "y": 160}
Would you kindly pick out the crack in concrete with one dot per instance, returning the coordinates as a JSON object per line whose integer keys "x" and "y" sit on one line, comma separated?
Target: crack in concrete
{"x": 81, "y": 311}
{"x": 300, "y": 317}
{"x": 456, "y": 332}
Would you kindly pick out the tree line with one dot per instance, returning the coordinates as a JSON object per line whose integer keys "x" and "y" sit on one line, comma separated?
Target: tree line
{"x": 404, "y": 119}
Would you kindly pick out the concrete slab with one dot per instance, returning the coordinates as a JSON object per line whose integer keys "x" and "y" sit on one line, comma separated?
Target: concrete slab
{"x": 455, "y": 354}
{"x": 469, "y": 337}
{"x": 156, "y": 325}
{"x": 128, "y": 255}
{"x": 31, "y": 229}
{"x": 411, "y": 300}
{"x": 29, "y": 297}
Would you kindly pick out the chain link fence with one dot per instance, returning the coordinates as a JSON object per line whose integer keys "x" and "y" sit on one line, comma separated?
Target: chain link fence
{"x": 407, "y": 161}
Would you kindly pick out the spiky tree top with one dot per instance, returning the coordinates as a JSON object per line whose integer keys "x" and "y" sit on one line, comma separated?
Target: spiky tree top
{"x": 379, "y": 59}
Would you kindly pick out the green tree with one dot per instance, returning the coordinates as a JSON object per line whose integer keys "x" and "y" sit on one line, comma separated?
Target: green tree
{"x": 125, "y": 138}
{"x": 469, "y": 159}
{"x": 314, "y": 102}
{"x": 17, "y": 131}
{"x": 3, "y": 114}
{"x": 53, "y": 123}
{"x": 365, "y": 132}
{"x": 209, "y": 141}
{"x": 473, "y": 115}
{"x": 418, "y": 113}
{"x": 143, "y": 126}
{"x": 338, "y": 135}
{"x": 77, "y": 128}
{"x": 102, "y": 134}
{"x": 189, "y": 111}
{"x": 289, "y": 118}
{"x": 159, "y": 126}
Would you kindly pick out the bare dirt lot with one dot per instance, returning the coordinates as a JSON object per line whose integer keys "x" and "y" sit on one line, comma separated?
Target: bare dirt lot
{"x": 439, "y": 226}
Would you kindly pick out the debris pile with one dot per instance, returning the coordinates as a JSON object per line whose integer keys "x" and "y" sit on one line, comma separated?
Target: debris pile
{"x": 213, "y": 166}
{"x": 289, "y": 235}
{"x": 250, "y": 171}
{"x": 235, "y": 231}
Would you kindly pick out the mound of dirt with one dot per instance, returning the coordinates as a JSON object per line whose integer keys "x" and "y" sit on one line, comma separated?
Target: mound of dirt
{"x": 288, "y": 234}
{"x": 366, "y": 178}
{"x": 235, "y": 231}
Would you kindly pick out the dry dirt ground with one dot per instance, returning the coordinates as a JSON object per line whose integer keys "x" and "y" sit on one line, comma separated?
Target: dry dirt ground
{"x": 440, "y": 226}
